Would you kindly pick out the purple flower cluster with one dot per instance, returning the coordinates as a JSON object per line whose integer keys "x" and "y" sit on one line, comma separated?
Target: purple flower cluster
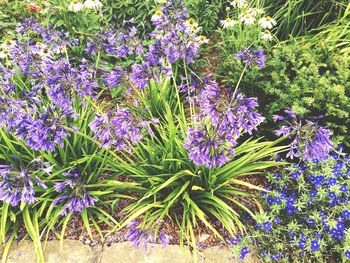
{"x": 221, "y": 121}
{"x": 119, "y": 128}
{"x": 138, "y": 236}
{"x": 120, "y": 42}
{"x": 40, "y": 109}
{"x": 313, "y": 138}
{"x": 17, "y": 185}
{"x": 46, "y": 130}
{"x": 251, "y": 57}
{"x": 173, "y": 39}
{"x": 73, "y": 194}
{"x": 64, "y": 82}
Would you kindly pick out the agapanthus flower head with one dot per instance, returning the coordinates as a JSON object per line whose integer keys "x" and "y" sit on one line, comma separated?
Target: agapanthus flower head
{"x": 65, "y": 82}
{"x": 139, "y": 236}
{"x": 250, "y": 56}
{"x": 46, "y": 130}
{"x": 17, "y": 185}
{"x": 220, "y": 122}
{"x": 120, "y": 128}
{"x": 207, "y": 146}
{"x": 140, "y": 75}
{"x": 309, "y": 140}
{"x": 73, "y": 194}
{"x": 114, "y": 77}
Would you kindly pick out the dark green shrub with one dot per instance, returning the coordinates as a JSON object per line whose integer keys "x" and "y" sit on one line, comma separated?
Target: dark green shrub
{"x": 310, "y": 82}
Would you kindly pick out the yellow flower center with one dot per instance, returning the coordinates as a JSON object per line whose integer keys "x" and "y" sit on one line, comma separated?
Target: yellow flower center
{"x": 268, "y": 18}
{"x": 7, "y": 42}
{"x": 75, "y": 1}
{"x": 228, "y": 20}
{"x": 159, "y": 13}
{"x": 5, "y": 51}
{"x": 202, "y": 38}
{"x": 267, "y": 31}
{"x": 191, "y": 21}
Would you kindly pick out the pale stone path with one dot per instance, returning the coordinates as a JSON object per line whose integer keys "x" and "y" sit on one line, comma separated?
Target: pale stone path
{"x": 76, "y": 252}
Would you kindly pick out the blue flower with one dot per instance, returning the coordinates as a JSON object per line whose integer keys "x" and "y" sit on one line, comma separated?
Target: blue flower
{"x": 343, "y": 188}
{"x": 267, "y": 226}
{"x": 315, "y": 245}
{"x": 235, "y": 240}
{"x": 290, "y": 210}
{"x": 244, "y": 252}
{"x": 332, "y": 195}
{"x": 295, "y": 176}
{"x": 346, "y": 214}
{"x": 347, "y": 254}
{"x": 340, "y": 226}
{"x": 313, "y": 193}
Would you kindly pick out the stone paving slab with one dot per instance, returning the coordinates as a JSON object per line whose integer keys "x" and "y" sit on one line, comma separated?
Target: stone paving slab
{"x": 75, "y": 252}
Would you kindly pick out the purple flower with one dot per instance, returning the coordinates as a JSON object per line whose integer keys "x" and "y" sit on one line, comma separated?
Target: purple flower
{"x": 140, "y": 76}
{"x": 17, "y": 185}
{"x": 221, "y": 121}
{"x": 251, "y": 56}
{"x": 119, "y": 128}
{"x": 46, "y": 130}
{"x": 305, "y": 134}
{"x": 138, "y": 236}
{"x": 114, "y": 77}
{"x": 75, "y": 197}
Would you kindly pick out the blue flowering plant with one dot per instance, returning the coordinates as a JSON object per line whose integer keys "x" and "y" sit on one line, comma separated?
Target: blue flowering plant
{"x": 307, "y": 213}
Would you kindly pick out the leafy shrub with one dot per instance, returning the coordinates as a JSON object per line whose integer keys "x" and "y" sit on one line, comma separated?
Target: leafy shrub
{"x": 307, "y": 217}
{"x": 207, "y": 13}
{"x": 310, "y": 82}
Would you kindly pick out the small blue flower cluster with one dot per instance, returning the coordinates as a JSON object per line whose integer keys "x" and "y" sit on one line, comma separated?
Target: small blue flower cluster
{"x": 308, "y": 212}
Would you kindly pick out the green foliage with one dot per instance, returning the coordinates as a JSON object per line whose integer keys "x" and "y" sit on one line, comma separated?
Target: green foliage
{"x": 207, "y": 13}
{"x": 10, "y": 13}
{"x": 310, "y": 82}
{"x": 298, "y": 17}
{"x": 139, "y": 10}
{"x": 307, "y": 214}
{"x": 191, "y": 195}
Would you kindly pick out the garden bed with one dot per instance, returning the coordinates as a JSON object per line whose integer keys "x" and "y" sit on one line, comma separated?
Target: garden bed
{"x": 184, "y": 124}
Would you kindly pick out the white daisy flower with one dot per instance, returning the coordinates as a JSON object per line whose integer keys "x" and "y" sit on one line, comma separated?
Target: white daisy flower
{"x": 75, "y": 6}
{"x": 192, "y": 25}
{"x": 239, "y": 3}
{"x": 4, "y": 53}
{"x": 247, "y": 18}
{"x": 157, "y": 15}
{"x": 227, "y": 23}
{"x": 266, "y": 35}
{"x": 8, "y": 44}
{"x": 267, "y": 22}
{"x": 255, "y": 11}
{"x": 202, "y": 40}
{"x": 93, "y": 4}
